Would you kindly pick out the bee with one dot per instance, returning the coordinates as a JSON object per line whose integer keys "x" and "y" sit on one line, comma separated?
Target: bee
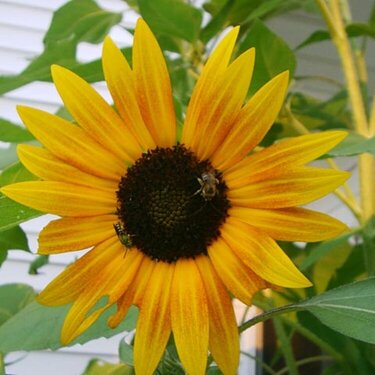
{"x": 123, "y": 236}
{"x": 208, "y": 183}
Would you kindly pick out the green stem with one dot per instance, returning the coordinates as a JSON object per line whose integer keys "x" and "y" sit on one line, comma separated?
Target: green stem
{"x": 314, "y": 339}
{"x": 298, "y": 327}
{"x": 285, "y": 346}
{"x": 305, "y": 361}
{"x": 270, "y": 314}
{"x": 264, "y": 365}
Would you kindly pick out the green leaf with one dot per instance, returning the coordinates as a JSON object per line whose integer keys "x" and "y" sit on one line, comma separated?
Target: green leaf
{"x": 13, "y": 298}
{"x": 13, "y": 213}
{"x": 61, "y": 52}
{"x": 352, "y": 359}
{"x": 353, "y": 30}
{"x": 37, "y": 327}
{"x": 244, "y": 11}
{"x": 217, "y": 23}
{"x": 317, "y": 114}
{"x": 349, "y": 309}
{"x": 272, "y": 56}
{"x": 354, "y": 144}
{"x": 326, "y": 267}
{"x": 37, "y": 263}
{"x": 316, "y": 36}
{"x": 266, "y": 8}
{"x": 172, "y": 17}
{"x": 13, "y": 238}
{"x": 3, "y": 256}
{"x": 214, "y": 370}
{"x": 81, "y": 20}
{"x": 10, "y": 132}
{"x": 352, "y": 269}
{"x": 98, "y": 367}
{"x": 16, "y": 173}
{"x": 360, "y": 29}
{"x": 318, "y": 251}
{"x": 126, "y": 353}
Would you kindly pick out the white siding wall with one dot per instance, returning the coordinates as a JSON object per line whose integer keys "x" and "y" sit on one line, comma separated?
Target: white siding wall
{"x": 22, "y": 26}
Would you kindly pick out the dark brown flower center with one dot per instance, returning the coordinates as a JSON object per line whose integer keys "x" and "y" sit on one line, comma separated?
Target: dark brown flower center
{"x": 171, "y": 205}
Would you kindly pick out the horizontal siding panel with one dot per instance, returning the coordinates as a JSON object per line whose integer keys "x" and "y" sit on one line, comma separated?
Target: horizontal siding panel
{"x": 56, "y": 363}
{"x": 24, "y": 40}
{"x": 12, "y": 61}
{"x": 24, "y": 16}
{"x": 8, "y": 107}
{"x": 50, "y": 5}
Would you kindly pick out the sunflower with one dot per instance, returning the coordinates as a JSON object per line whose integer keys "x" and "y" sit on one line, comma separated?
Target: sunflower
{"x": 175, "y": 226}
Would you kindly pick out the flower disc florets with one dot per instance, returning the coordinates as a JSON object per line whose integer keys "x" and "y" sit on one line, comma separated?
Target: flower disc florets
{"x": 163, "y": 206}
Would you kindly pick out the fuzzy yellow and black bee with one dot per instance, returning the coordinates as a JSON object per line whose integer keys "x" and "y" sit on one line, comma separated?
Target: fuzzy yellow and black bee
{"x": 208, "y": 183}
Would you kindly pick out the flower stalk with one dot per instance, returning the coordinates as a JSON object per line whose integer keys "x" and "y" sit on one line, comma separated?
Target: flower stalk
{"x": 333, "y": 15}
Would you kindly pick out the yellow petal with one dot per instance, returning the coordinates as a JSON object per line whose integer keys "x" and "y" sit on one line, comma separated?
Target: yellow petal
{"x": 224, "y": 340}
{"x": 120, "y": 81}
{"x": 112, "y": 281}
{"x": 215, "y": 66}
{"x": 291, "y": 224}
{"x": 292, "y": 188}
{"x": 66, "y": 287}
{"x": 189, "y": 315}
{"x": 95, "y": 115}
{"x": 71, "y": 144}
{"x": 286, "y": 154}
{"x": 237, "y": 277}
{"x": 70, "y": 234}
{"x": 153, "y": 86}
{"x": 134, "y": 295}
{"x": 252, "y": 123}
{"x": 62, "y": 199}
{"x": 262, "y": 254}
{"x": 220, "y": 105}
{"x": 154, "y": 322}
{"x": 46, "y": 166}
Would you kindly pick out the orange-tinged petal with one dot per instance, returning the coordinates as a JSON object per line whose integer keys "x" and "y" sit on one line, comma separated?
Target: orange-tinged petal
{"x": 262, "y": 254}
{"x": 215, "y": 66}
{"x": 286, "y": 154}
{"x": 95, "y": 115}
{"x": 66, "y": 287}
{"x": 112, "y": 281}
{"x": 154, "y": 321}
{"x": 72, "y": 233}
{"x": 221, "y": 104}
{"x": 237, "y": 277}
{"x": 134, "y": 295}
{"x": 252, "y": 123}
{"x": 62, "y": 199}
{"x": 189, "y": 314}
{"x": 120, "y": 81}
{"x": 43, "y": 164}
{"x": 292, "y": 188}
{"x": 224, "y": 340}
{"x": 291, "y": 224}
{"x": 71, "y": 144}
{"x": 153, "y": 86}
